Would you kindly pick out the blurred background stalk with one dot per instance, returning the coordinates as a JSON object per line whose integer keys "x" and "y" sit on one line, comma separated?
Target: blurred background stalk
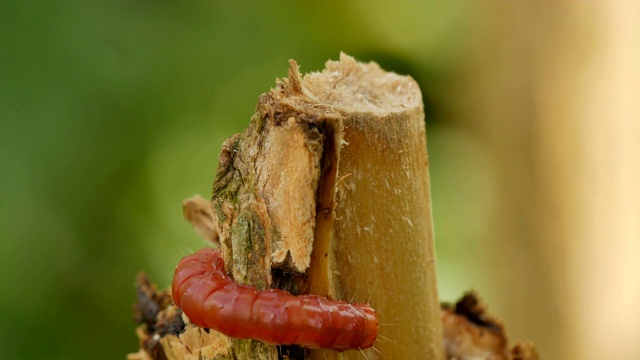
{"x": 111, "y": 113}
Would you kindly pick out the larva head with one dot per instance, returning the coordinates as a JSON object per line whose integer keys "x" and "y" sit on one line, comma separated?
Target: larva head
{"x": 206, "y": 260}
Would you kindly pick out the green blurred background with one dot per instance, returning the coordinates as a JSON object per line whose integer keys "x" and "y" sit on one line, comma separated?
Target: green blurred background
{"x": 113, "y": 112}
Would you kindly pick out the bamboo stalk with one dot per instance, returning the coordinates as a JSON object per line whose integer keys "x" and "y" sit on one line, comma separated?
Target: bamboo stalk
{"x": 353, "y": 138}
{"x": 380, "y": 242}
{"x": 327, "y": 192}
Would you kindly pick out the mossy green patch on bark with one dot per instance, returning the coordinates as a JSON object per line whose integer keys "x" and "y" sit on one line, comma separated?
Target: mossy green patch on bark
{"x": 249, "y": 250}
{"x": 252, "y": 349}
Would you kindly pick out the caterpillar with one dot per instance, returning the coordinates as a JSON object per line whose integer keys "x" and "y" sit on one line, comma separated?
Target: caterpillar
{"x": 211, "y": 299}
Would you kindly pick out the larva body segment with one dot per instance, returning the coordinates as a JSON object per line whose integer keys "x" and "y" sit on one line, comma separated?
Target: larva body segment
{"x": 213, "y": 300}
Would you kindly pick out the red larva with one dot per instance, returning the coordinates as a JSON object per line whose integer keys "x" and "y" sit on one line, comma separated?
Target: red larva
{"x": 213, "y": 300}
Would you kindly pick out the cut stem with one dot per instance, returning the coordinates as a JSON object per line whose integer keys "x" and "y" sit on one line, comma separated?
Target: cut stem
{"x": 330, "y": 182}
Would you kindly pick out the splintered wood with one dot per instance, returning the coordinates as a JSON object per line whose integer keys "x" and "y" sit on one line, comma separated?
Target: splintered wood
{"x": 198, "y": 212}
{"x": 327, "y": 192}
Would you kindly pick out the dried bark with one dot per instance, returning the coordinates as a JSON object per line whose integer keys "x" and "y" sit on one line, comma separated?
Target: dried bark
{"x": 471, "y": 333}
